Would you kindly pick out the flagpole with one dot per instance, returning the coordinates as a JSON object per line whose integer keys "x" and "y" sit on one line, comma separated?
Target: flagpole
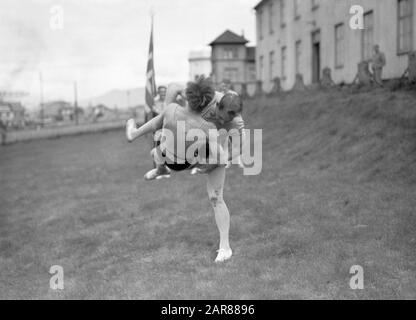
{"x": 150, "y": 72}
{"x": 150, "y": 92}
{"x": 76, "y": 102}
{"x": 152, "y": 14}
{"x": 41, "y": 98}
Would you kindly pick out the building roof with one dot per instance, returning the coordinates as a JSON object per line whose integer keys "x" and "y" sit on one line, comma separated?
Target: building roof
{"x": 54, "y": 107}
{"x": 199, "y": 54}
{"x": 5, "y": 108}
{"x": 229, "y": 37}
{"x": 258, "y": 5}
{"x": 11, "y": 106}
{"x": 16, "y": 106}
{"x": 251, "y": 53}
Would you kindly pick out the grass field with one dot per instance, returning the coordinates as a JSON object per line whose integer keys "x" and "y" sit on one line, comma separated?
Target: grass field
{"x": 338, "y": 188}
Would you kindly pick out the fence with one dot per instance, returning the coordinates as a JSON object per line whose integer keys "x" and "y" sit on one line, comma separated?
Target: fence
{"x": 48, "y": 133}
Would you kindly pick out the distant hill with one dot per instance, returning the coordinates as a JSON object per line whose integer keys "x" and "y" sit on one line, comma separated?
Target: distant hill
{"x": 117, "y": 98}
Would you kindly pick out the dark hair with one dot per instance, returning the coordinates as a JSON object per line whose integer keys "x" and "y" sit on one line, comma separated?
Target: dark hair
{"x": 199, "y": 93}
{"x": 161, "y": 87}
{"x": 231, "y": 99}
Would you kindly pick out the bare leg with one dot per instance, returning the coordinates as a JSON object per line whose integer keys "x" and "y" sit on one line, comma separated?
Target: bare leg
{"x": 149, "y": 136}
{"x": 160, "y": 171}
{"x": 215, "y": 185}
{"x": 132, "y": 133}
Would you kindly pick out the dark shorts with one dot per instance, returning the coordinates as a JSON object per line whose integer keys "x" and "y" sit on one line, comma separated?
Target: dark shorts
{"x": 184, "y": 166}
{"x": 178, "y": 166}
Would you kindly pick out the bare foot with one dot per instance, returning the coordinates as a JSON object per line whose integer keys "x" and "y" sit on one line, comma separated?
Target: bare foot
{"x": 130, "y": 126}
{"x": 223, "y": 255}
{"x": 157, "y": 173}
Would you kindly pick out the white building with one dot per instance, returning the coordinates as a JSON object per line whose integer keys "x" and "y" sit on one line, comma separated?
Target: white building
{"x": 305, "y": 36}
{"x": 199, "y": 63}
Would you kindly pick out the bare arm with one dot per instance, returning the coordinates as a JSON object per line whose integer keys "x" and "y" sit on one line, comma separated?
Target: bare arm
{"x": 217, "y": 157}
{"x": 236, "y": 147}
{"x": 237, "y": 137}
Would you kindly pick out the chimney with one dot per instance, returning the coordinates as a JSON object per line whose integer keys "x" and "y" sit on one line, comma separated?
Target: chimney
{"x": 242, "y": 33}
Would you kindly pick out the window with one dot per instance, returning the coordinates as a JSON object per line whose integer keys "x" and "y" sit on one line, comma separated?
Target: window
{"x": 260, "y": 23}
{"x": 296, "y": 7}
{"x": 230, "y": 53}
{"x": 368, "y": 36}
{"x": 261, "y": 68}
{"x": 231, "y": 74}
{"x": 271, "y": 65}
{"x": 315, "y": 4}
{"x": 252, "y": 72}
{"x": 271, "y": 18}
{"x": 282, "y": 14}
{"x": 339, "y": 45}
{"x": 405, "y": 26}
{"x": 297, "y": 56}
{"x": 283, "y": 66}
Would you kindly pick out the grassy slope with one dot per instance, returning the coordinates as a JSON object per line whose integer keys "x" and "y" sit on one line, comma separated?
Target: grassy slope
{"x": 338, "y": 188}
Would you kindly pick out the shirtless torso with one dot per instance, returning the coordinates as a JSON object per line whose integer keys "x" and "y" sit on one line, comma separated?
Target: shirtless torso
{"x": 177, "y": 124}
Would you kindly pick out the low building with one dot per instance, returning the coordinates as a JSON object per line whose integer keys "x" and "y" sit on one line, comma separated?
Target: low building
{"x": 199, "y": 63}
{"x": 5, "y": 113}
{"x": 233, "y": 60}
{"x": 59, "y": 111}
{"x": 102, "y": 112}
{"x": 12, "y": 114}
{"x": 306, "y": 36}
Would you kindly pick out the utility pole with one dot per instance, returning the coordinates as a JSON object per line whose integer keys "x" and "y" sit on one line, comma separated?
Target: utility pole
{"x": 128, "y": 98}
{"x": 76, "y": 102}
{"x": 41, "y": 98}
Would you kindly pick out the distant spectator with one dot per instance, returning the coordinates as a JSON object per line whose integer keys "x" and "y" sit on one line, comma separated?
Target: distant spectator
{"x": 159, "y": 104}
{"x": 226, "y": 86}
{"x": 378, "y": 61}
{"x": 157, "y": 108}
{"x": 160, "y": 100}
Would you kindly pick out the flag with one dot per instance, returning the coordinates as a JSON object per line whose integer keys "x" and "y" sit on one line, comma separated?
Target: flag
{"x": 150, "y": 75}
{"x": 150, "y": 87}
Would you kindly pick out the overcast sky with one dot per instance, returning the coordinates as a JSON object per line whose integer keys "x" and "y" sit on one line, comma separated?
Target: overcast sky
{"x": 103, "y": 43}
